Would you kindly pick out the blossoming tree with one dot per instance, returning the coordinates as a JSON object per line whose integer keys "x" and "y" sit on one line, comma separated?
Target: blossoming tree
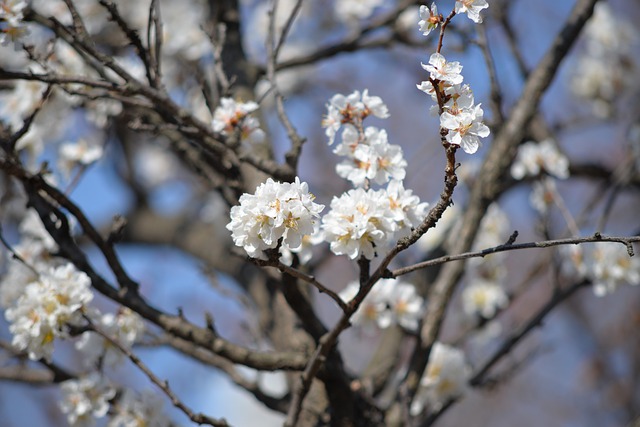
{"x": 378, "y": 292}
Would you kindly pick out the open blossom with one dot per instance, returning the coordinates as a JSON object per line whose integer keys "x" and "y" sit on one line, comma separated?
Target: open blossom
{"x": 533, "y": 158}
{"x": 358, "y": 222}
{"x": 351, "y": 109}
{"x": 276, "y": 210}
{"x": 446, "y": 377}
{"x": 78, "y": 153}
{"x": 406, "y": 209}
{"x": 429, "y": 19}
{"x": 12, "y": 26}
{"x": 46, "y": 306}
{"x": 231, "y": 116}
{"x": 483, "y": 298}
{"x": 390, "y": 302}
{"x": 372, "y": 159}
{"x": 125, "y": 327}
{"x": 465, "y": 128}
{"x": 609, "y": 266}
{"x": 472, "y": 8}
{"x": 85, "y": 399}
{"x": 440, "y": 69}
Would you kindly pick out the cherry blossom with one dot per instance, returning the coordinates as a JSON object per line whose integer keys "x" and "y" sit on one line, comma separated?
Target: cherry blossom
{"x": 472, "y": 8}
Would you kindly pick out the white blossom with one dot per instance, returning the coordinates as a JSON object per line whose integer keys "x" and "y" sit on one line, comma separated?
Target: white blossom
{"x": 373, "y": 159}
{"x": 231, "y": 116}
{"x": 406, "y": 209}
{"x": 125, "y": 327}
{"x": 446, "y": 377}
{"x": 355, "y": 10}
{"x": 472, "y": 8}
{"x": 359, "y": 222}
{"x": 465, "y": 128}
{"x": 533, "y": 158}
{"x": 429, "y": 19}
{"x": 276, "y": 210}
{"x": 390, "y": 302}
{"x": 85, "y": 399}
{"x": 79, "y": 153}
{"x": 351, "y": 109}
{"x": 483, "y": 298}
{"x": 609, "y": 266}
{"x": 440, "y": 69}
{"x": 40, "y": 314}
{"x": 543, "y": 194}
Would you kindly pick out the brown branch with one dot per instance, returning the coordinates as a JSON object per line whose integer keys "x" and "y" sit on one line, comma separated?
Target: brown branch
{"x": 197, "y": 418}
{"x": 487, "y": 188}
{"x": 513, "y": 247}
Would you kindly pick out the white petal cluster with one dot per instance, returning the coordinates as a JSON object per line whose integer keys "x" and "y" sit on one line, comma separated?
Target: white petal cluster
{"x": 85, "y": 399}
{"x": 232, "y": 116}
{"x": 125, "y": 327}
{"x": 406, "y": 209}
{"x": 355, "y": 10}
{"x": 76, "y": 153}
{"x": 472, "y": 8}
{"x": 543, "y": 194}
{"x": 390, "y": 302}
{"x": 371, "y": 158}
{"x": 534, "y": 158}
{"x": 46, "y": 305}
{"x": 429, "y": 19}
{"x": 606, "y": 69}
{"x": 446, "y": 377}
{"x": 276, "y": 211}
{"x": 133, "y": 410}
{"x": 607, "y": 265}
{"x": 483, "y": 298}
{"x": 440, "y": 69}
{"x": 460, "y": 115}
{"x": 12, "y": 27}
{"x": 351, "y": 109}
{"x": 359, "y": 222}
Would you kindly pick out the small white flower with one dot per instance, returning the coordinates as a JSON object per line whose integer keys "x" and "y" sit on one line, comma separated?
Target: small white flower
{"x": 405, "y": 305}
{"x": 472, "y": 8}
{"x": 406, "y": 209}
{"x": 465, "y": 128}
{"x": 440, "y": 69}
{"x": 446, "y": 377}
{"x": 543, "y": 194}
{"x": 483, "y": 298}
{"x": 358, "y": 223}
{"x": 85, "y": 399}
{"x": 533, "y": 158}
{"x": 47, "y": 305}
{"x": 429, "y": 19}
{"x": 231, "y": 116}
{"x": 352, "y": 110}
{"x": 78, "y": 153}
{"x": 276, "y": 210}
{"x": 609, "y": 266}
{"x": 125, "y": 327}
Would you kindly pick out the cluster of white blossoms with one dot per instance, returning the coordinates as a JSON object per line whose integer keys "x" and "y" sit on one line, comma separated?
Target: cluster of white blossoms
{"x": 459, "y": 114}
{"x": 390, "y": 302}
{"x": 125, "y": 327}
{"x": 12, "y": 26}
{"x": 534, "y": 158}
{"x": 277, "y": 213}
{"x": 446, "y": 377}
{"x": 139, "y": 410}
{"x": 79, "y": 153}
{"x": 363, "y": 220}
{"x": 232, "y": 117}
{"x": 607, "y": 67}
{"x": 56, "y": 298}
{"x": 607, "y": 265}
{"x": 86, "y": 398}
